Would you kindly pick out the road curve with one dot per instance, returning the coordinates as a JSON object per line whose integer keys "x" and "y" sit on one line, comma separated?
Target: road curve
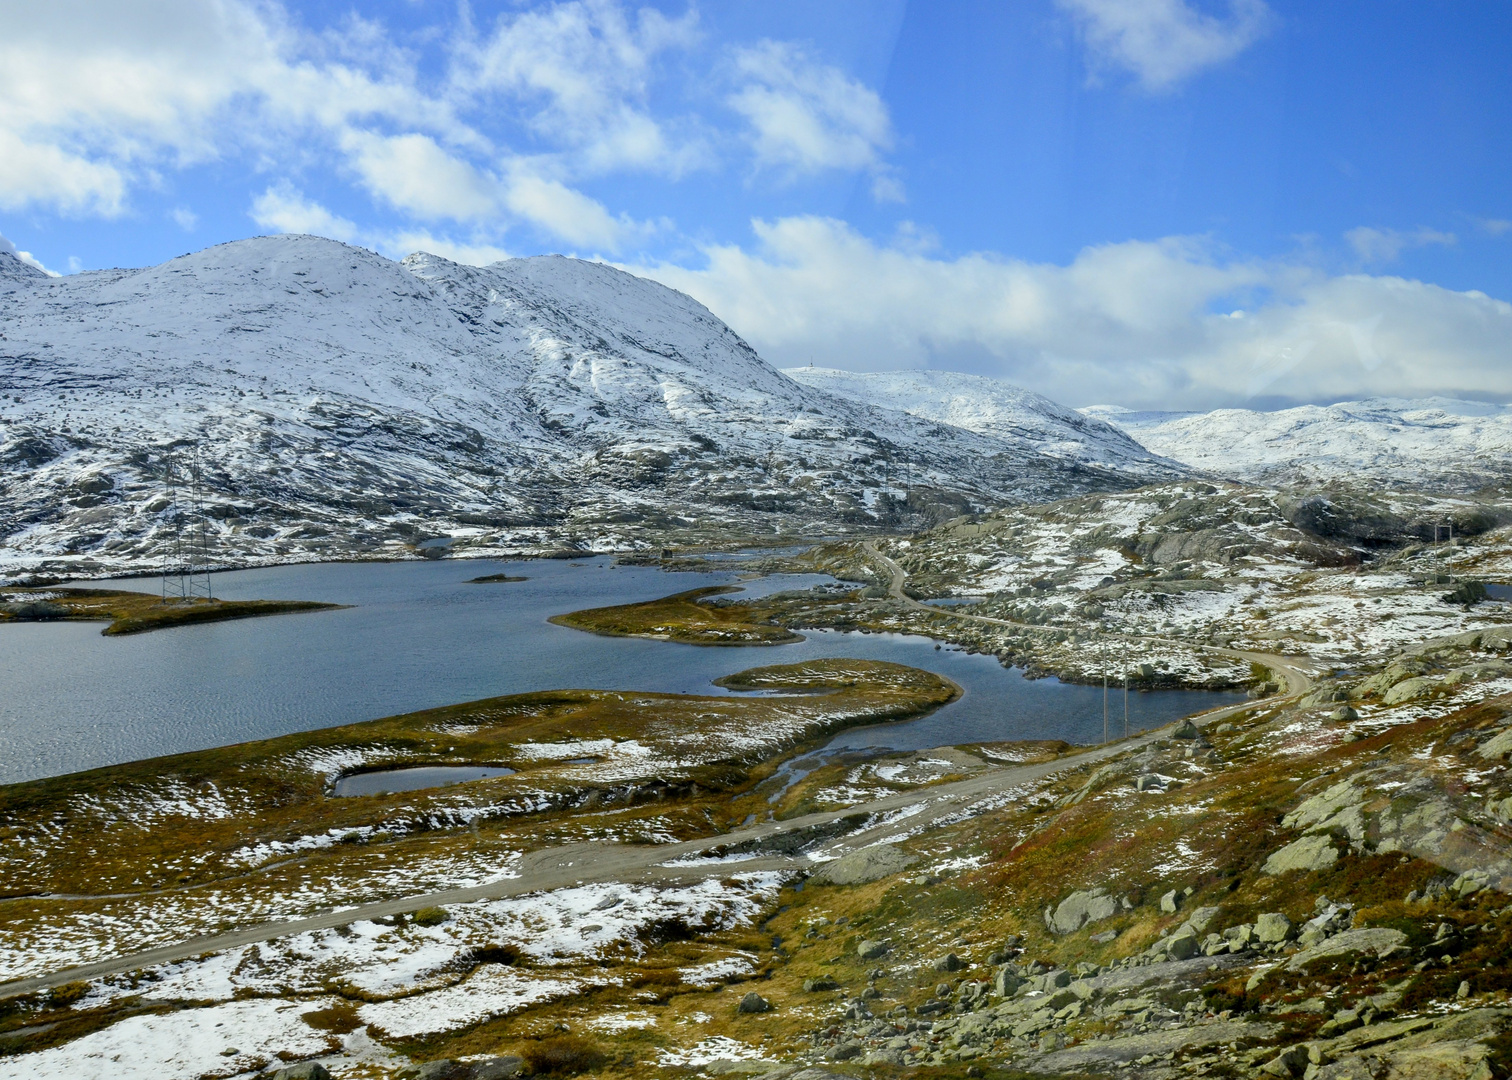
{"x": 579, "y": 864}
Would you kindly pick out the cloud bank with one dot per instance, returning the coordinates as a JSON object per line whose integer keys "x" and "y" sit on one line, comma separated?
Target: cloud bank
{"x": 1168, "y": 324}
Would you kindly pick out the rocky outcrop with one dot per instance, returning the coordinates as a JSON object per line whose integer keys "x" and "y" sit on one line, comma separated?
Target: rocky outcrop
{"x": 1079, "y": 909}
{"x": 860, "y": 867}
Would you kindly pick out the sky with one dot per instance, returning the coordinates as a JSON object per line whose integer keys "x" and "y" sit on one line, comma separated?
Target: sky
{"x": 1180, "y": 204}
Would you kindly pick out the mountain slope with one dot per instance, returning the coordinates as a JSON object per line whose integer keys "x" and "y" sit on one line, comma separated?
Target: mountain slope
{"x": 998, "y": 409}
{"x": 342, "y": 404}
{"x": 1436, "y": 443}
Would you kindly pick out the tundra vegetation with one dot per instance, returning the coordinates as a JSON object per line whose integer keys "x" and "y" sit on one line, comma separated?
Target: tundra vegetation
{"x": 1313, "y": 883}
{"x": 130, "y": 612}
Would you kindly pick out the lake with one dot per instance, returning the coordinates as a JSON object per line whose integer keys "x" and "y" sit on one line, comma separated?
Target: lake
{"x": 418, "y": 635}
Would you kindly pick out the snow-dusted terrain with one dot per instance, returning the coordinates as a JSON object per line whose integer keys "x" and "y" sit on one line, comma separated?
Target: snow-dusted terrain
{"x": 991, "y": 407}
{"x": 342, "y": 404}
{"x": 1437, "y": 443}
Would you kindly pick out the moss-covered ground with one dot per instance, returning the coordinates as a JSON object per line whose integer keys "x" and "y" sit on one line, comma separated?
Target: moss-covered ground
{"x": 135, "y": 612}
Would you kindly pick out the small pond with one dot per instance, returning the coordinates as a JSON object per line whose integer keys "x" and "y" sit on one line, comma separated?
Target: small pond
{"x": 387, "y": 781}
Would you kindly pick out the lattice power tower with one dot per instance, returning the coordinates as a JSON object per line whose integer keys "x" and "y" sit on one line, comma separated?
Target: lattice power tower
{"x": 186, "y": 562}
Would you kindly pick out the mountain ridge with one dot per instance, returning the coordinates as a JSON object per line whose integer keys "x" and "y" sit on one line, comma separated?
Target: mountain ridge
{"x": 345, "y": 405}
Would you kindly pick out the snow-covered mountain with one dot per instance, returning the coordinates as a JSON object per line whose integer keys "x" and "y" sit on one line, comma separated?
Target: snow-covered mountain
{"x": 342, "y": 404}
{"x": 1021, "y": 418}
{"x": 1436, "y": 443}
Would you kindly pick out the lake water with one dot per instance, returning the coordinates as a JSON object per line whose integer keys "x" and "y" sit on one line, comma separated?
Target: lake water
{"x": 418, "y": 636}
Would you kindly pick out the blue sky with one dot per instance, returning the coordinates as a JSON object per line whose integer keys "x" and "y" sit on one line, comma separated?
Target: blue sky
{"x": 1169, "y": 203}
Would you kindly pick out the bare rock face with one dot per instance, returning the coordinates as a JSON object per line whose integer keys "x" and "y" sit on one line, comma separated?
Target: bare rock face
{"x": 1308, "y": 853}
{"x": 1272, "y": 928}
{"x": 869, "y": 864}
{"x": 1079, "y": 909}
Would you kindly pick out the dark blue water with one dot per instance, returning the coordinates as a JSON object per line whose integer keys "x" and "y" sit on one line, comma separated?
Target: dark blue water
{"x": 420, "y": 636}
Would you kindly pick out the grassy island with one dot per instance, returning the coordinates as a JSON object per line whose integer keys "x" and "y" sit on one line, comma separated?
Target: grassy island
{"x": 683, "y": 617}
{"x": 135, "y": 612}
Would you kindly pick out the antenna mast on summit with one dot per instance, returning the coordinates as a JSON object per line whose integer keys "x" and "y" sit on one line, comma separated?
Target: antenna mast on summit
{"x": 186, "y": 562}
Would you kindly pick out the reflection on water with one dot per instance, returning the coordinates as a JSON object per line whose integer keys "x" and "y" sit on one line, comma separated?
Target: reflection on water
{"x": 387, "y": 781}
{"x": 419, "y": 636}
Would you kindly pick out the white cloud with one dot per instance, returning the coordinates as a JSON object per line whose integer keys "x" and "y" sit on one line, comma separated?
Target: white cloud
{"x": 1386, "y": 245}
{"x": 1495, "y": 226}
{"x": 39, "y": 174}
{"x": 588, "y": 68}
{"x": 25, "y": 256}
{"x": 1138, "y": 323}
{"x": 806, "y": 116}
{"x": 413, "y": 173}
{"x": 564, "y": 212}
{"x": 185, "y": 218}
{"x": 284, "y": 209}
{"x": 1163, "y": 42}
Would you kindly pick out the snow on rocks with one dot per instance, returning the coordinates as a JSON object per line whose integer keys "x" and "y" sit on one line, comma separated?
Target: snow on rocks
{"x": 217, "y": 1041}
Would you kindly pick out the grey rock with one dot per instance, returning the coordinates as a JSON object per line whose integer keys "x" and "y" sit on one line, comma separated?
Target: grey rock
{"x": 1182, "y": 945}
{"x": 1170, "y": 903}
{"x": 1199, "y": 919}
{"x": 1373, "y": 939}
{"x": 1308, "y": 853}
{"x": 949, "y": 962}
{"x": 1272, "y": 928}
{"x": 308, "y": 1070}
{"x": 1343, "y": 715}
{"x": 860, "y": 867}
{"x": 819, "y": 985}
{"x": 1006, "y": 983}
{"x": 1497, "y": 747}
{"x": 871, "y": 950}
{"x": 754, "y": 1003}
{"x": 1187, "y": 730}
{"x": 1081, "y": 908}
{"x": 844, "y": 1052}
{"x": 1290, "y": 1062}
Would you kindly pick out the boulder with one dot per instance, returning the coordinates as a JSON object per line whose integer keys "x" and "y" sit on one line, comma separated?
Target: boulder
{"x": 754, "y": 1003}
{"x": 949, "y": 962}
{"x": 1187, "y": 730}
{"x": 1496, "y": 748}
{"x": 308, "y": 1070}
{"x": 1308, "y": 853}
{"x": 1081, "y": 908}
{"x": 871, "y": 950}
{"x": 1377, "y": 939}
{"x": 1410, "y": 690}
{"x": 1290, "y": 1062}
{"x": 1006, "y": 983}
{"x": 1272, "y": 928}
{"x": 1343, "y": 715}
{"x": 1199, "y": 919}
{"x": 819, "y": 985}
{"x": 1182, "y": 945}
{"x": 1170, "y": 902}
{"x": 860, "y": 867}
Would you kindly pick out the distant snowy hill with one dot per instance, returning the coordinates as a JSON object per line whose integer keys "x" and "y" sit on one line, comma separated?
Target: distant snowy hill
{"x": 345, "y": 405}
{"x": 1437, "y": 443}
{"x": 1016, "y": 416}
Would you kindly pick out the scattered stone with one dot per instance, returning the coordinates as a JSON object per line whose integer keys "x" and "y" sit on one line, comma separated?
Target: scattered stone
{"x": 1200, "y": 918}
{"x": 1497, "y": 747}
{"x": 755, "y": 1003}
{"x": 860, "y": 867}
{"x": 1290, "y": 1062}
{"x": 1079, "y": 909}
{"x": 1343, "y": 715}
{"x": 1006, "y": 983}
{"x": 1187, "y": 730}
{"x": 1104, "y": 937}
{"x": 1170, "y": 903}
{"x": 819, "y": 985}
{"x": 872, "y": 950}
{"x": 1272, "y": 928}
{"x": 1182, "y": 945}
{"x": 1373, "y": 939}
{"x": 949, "y": 962}
{"x": 1308, "y": 853}
{"x": 309, "y": 1070}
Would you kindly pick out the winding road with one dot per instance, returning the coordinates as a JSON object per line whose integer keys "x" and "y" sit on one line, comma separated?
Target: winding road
{"x": 579, "y": 864}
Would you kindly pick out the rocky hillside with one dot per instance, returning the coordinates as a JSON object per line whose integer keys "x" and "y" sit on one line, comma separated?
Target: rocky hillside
{"x": 344, "y": 405}
{"x": 1434, "y": 444}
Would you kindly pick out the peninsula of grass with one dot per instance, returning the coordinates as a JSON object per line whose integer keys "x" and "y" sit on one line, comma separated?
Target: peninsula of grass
{"x": 490, "y": 579}
{"x": 136, "y": 612}
{"x": 174, "y": 821}
{"x": 682, "y": 617}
